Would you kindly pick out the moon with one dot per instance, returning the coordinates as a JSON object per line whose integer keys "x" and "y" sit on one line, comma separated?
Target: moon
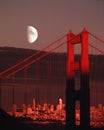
{"x": 32, "y": 34}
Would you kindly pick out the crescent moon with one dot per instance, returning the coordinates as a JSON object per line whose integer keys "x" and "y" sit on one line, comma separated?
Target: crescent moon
{"x": 32, "y": 34}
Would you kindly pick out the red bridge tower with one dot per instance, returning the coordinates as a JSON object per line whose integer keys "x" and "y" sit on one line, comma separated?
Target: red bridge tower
{"x": 83, "y": 94}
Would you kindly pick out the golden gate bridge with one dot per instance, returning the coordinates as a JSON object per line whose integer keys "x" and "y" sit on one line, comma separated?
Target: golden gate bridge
{"x": 64, "y": 70}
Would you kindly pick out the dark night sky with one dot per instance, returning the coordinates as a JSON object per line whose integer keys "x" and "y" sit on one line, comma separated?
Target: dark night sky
{"x": 52, "y": 18}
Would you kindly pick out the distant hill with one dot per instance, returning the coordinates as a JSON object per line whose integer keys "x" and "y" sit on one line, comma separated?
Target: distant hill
{"x": 10, "y": 56}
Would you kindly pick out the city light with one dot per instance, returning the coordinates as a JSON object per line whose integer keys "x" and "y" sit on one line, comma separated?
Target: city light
{"x": 48, "y": 113}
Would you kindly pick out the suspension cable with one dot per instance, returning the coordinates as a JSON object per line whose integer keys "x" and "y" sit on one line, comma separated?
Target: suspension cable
{"x": 33, "y": 61}
{"x": 34, "y": 54}
{"x": 38, "y": 58}
{"x": 97, "y": 38}
{"x": 96, "y": 48}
